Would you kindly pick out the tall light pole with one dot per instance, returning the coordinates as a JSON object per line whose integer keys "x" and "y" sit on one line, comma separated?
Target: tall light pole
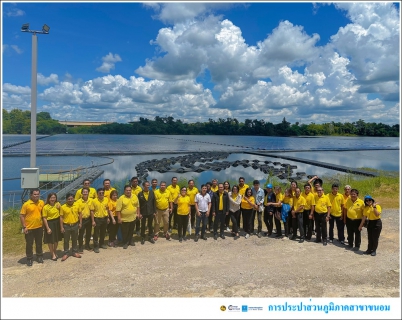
{"x": 34, "y": 78}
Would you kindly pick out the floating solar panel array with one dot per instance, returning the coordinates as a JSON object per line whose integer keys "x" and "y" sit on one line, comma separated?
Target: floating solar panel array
{"x": 80, "y": 144}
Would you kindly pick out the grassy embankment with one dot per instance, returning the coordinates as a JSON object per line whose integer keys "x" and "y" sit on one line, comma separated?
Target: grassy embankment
{"x": 385, "y": 189}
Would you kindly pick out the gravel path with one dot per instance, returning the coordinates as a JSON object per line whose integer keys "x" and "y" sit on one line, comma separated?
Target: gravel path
{"x": 253, "y": 267}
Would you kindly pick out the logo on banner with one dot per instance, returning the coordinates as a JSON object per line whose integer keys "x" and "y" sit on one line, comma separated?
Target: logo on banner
{"x": 244, "y": 308}
{"x": 234, "y": 308}
{"x": 223, "y": 308}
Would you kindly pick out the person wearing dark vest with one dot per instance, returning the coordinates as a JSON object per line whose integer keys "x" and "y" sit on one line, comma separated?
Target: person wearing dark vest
{"x": 220, "y": 208}
{"x": 269, "y": 209}
{"x": 147, "y": 211}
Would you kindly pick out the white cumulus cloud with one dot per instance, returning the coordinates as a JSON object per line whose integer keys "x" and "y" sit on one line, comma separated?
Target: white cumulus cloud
{"x": 109, "y": 62}
{"x": 45, "y": 81}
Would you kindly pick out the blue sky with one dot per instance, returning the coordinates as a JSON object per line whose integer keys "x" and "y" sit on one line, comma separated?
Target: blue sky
{"x": 193, "y": 61}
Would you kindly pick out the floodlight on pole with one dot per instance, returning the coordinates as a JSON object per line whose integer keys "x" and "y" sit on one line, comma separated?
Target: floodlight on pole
{"x": 34, "y": 78}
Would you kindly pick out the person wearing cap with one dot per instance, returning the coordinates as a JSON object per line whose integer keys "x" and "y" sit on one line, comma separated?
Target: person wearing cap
{"x": 372, "y": 212}
{"x": 336, "y": 199}
{"x": 269, "y": 209}
{"x": 258, "y": 195}
{"x": 354, "y": 213}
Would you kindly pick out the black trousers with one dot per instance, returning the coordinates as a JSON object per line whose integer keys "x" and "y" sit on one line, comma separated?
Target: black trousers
{"x": 298, "y": 222}
{"x": 227, "y": 221}
{"x": 288, "y": 224}
{"x": 240, "y": 217}
{"x": 373, "y": 234}
{"x": 100, "y": 231}
{"x": 321, "y": 225}
{"x": 182, "y": 222}
{"x": 173, "y": 216}
{"x": 30, "y": 237}
{"x": 340, "y": 226}
{"x": 192, "y": 212}
{"x": 307, "y": 224}
{"x": 234, "y": 216}
{"x": 219, "y": 219}
{"x": 150, "y": 219}
{"x": 354, "y": 234}
{"x": 113, "y": 229}
{"x": 210, "y": 221}
{"x": 127, "y": 231}
{"x": 268, "y": 220}
{"x": 137, "y": 224}
{"x": 86, "y": 228}
{"x": 70, "y": 231}
{"x": 247, "y": 216}
{"x": 259, "y": 220}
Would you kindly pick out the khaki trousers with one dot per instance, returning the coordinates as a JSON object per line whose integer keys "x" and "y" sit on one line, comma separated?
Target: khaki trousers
{"x": 162, "y": 215}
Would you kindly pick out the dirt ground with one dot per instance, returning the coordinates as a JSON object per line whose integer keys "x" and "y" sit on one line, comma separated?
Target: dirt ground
{"x": 254, "y": 267}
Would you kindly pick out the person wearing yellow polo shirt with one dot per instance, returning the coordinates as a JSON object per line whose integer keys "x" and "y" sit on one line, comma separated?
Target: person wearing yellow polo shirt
{"x": 299, "y": 203}
{"x": 214, "y": 185}
{"x": 322, "y": 212}
{"x": 372, "y": 212}
{"x": 69, "y": 225}
{"x": 308, "y": 212}
{"x": 86, "y": 184}
{"x": 183, "y": 211}
{"x": 191, "y": 192}
{"x": 136, "y": 189}
{"x": 113, "y": 225}
{"x": 31, "y": 220}
{"x": 126, "y": 209}
{"x": 100, "y": 219}
{"x": 354, "y": 214}
{"x": 346, "y": 196}
{"x": 108, "y": 188}
{"x": 336, "y": 199}
{"x": 174, "y": 190}
{"x": 242, "y": 190}
{"x": 84, "y": 212}
{"x": 163, "y": 208}
{"x": 51, "y": 224}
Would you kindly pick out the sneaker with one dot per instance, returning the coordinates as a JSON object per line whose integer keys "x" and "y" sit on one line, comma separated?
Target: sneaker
{"x": 167, "y": 236}
{"x": 331, "y": 241}
{"x": 29, "y": 262}
{"x": 196, "y": 238}
{"x": 227, "y": 229}
{"x": 373, "y": 254}
{"x": 343, "y": 242}
{"x": 247, "y": 236}
{"x": 96, "y": 250}
{"x": 259, "y": 234}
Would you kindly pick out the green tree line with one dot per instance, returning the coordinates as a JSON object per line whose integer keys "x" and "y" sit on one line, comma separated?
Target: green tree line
{"x": 17, "y": 121}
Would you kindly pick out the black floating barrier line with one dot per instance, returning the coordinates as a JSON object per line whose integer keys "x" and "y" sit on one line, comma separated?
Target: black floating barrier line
{"x": 319, "y": 164}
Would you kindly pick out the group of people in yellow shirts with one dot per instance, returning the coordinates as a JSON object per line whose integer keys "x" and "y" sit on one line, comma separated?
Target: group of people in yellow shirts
{"x": 91, "y": 214}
